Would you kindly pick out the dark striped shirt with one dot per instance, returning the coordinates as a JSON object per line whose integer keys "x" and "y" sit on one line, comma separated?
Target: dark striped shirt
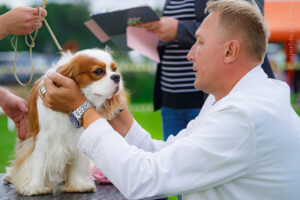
{"x": 177, "y": 75}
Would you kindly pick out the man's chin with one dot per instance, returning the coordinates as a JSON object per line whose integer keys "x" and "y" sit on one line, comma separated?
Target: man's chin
{"x": 200, "y": 86}
{"x": 197, "y": 85}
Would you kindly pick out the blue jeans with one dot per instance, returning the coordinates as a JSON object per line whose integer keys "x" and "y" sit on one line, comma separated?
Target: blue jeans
{"x": 174, "y": 120}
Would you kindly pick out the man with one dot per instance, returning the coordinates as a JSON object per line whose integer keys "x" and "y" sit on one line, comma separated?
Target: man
{"x": 19, "y": 21}
{"x": 245, "y": 144}
{"x": 174, "y": 92}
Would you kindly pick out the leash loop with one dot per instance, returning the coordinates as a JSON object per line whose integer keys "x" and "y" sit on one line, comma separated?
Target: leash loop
{"x": 31, "y": 45}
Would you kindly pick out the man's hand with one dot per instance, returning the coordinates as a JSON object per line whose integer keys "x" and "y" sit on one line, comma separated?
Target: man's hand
{"x": 63, "y": 94}
{"x": 16, "y": 108}
{"x": 21, "y": 21}
{"x": 165, "y": 28}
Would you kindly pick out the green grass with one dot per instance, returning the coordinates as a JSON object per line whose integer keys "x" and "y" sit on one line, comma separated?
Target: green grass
{"x": 150, "y": 121}
{"x": 7, "y": 141}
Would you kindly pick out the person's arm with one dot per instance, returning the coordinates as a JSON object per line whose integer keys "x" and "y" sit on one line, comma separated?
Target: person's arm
{"x": 170, "y": 29}
{"x": 210, "y": 152}
{"x": 16, "y": 108}
{"x": 216, "y": 151}
{"x": 67, "y": 97}
{"x": 186, "y": 33}
{"x": 20, "y": 21}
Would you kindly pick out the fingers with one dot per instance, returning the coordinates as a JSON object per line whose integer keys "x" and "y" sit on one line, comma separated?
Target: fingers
{"x": 49, "y": 85}
{"x": 36, "y": 11}
{"x": 59, "y": 80}
{"x": 38, "y": 25}
{"x": 23, "y": 106}
{"x": 150, "y": 26}
{"x": 43, "y": 12}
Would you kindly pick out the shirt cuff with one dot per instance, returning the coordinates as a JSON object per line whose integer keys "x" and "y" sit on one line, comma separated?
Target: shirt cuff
{"x": 92, "y": 136}
{"x": 136, "y": 134}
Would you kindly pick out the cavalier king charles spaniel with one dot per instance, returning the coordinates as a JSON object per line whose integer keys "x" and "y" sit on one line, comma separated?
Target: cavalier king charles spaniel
{"x": 48, "y": 159}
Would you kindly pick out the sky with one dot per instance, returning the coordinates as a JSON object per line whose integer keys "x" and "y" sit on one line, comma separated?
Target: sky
{"x": 96, "y": 5}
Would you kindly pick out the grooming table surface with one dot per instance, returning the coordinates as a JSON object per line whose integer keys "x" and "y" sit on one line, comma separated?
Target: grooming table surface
{"x": 103, "y": 191}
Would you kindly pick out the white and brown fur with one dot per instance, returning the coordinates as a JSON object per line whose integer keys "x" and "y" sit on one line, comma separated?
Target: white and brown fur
{"x": 48, "y": 158}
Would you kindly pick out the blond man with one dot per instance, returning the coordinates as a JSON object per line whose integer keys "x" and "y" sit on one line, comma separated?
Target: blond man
{"x": 245, "y": 143}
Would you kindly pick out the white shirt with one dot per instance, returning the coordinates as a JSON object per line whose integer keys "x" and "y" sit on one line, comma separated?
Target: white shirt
{"x": 245, "y": 146}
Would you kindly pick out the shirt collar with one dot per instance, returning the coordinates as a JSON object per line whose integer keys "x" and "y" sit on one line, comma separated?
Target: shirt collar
{"x": 256, "y": 74}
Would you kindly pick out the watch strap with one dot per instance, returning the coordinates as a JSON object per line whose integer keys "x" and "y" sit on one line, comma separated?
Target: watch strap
{"x": 81, "y": 109}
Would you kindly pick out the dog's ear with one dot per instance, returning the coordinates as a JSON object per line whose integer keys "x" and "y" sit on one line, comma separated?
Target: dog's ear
{"x": 72, "y": 68}
{"x": 67, "y": 70}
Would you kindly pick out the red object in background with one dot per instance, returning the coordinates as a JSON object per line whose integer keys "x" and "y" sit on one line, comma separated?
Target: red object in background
{"x": 283, "y": 19}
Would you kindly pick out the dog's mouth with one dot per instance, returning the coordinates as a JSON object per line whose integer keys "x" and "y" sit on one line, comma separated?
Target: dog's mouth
{"x": 98, "y": 95}
{"x": 116, "y": 90}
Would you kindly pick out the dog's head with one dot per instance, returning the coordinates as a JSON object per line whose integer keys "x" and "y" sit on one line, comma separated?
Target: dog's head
{"x": 98, "y": 77}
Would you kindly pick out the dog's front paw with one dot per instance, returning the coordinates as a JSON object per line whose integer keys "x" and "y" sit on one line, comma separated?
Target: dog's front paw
{"x": 80, "y": 186}
{"x": 7, "y": 179}
{"x": 30, "y": 190}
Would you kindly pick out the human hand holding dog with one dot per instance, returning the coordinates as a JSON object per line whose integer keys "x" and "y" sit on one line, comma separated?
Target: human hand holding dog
{"x": 21, "y": 21}
{"x": 165, "y": 28}
{"x": 63, "y": 94}
{"x": 16, "y": 108}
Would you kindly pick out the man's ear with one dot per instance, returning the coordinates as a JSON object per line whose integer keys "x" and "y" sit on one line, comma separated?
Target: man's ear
{"x": 231, "y": 51}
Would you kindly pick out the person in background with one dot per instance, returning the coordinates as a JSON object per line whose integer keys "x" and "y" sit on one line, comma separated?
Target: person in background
{"x": 174, "y": 92}
{"x": 19, "y": 21}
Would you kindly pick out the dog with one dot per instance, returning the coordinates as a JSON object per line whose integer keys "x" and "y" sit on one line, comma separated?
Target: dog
{"x": 48, "y": 159}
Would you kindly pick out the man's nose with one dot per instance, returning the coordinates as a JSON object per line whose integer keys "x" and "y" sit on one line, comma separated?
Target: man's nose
{"x": 115, "y": 78}
{"x": 190, "y": 55}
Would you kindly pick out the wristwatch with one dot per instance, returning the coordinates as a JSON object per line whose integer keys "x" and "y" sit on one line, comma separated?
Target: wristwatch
{"x": 76, "y": 115}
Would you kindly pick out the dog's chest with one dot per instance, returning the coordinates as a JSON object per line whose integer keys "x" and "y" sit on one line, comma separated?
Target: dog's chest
{"x": 57, "y": 133}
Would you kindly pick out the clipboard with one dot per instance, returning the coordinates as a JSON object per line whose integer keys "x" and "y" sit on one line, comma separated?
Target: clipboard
{"x": 113, "y": 25}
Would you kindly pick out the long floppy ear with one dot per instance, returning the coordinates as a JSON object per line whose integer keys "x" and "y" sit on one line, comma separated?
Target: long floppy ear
{"x": 68, "y": 69}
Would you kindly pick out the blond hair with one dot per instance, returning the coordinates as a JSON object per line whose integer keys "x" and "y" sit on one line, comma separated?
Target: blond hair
{"x": 243, "y": 18}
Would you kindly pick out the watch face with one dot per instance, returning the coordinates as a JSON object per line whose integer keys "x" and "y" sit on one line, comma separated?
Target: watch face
{"x": 74, "y": 120}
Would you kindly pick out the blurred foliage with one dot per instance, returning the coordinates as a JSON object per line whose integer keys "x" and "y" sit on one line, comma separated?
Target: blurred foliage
{"x": 5, "y": 43}
{"x": 67, "y": 23}
{"x": 139, "y": 85}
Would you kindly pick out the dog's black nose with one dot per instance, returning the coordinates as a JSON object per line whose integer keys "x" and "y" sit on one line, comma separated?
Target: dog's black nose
{"x": 115, "y": 78}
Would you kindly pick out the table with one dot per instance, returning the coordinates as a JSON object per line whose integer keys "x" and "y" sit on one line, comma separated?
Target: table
{"x": 103, "y": 191}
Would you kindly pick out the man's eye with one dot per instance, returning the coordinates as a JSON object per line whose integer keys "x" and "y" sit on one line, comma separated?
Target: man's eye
{"x": 98, "y": 71}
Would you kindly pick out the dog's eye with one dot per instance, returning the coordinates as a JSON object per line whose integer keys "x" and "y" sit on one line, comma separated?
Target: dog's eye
{"x": 98, "y": 71}
{"x": 114, "y": 69}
